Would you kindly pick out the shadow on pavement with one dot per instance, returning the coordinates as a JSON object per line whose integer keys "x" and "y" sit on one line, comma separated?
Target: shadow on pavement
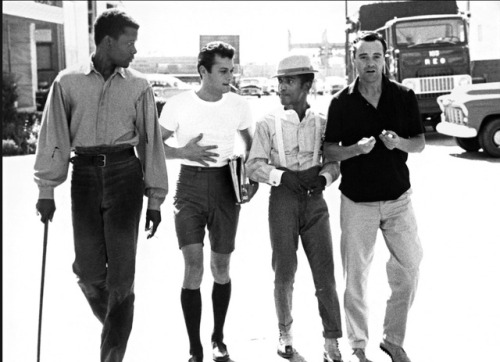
{"x": 297, "y": 358}
{"x": 438, "y": 139}
{"x": 476, "y": 156}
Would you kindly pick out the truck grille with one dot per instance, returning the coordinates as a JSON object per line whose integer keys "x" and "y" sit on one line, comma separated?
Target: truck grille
{"x": 455, "y": 115}
{"x": 434, "y": 85}
{"x": 437, "y": 84}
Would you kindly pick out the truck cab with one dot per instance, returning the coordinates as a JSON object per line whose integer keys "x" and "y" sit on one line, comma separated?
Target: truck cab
{"x": 430, "y": 55}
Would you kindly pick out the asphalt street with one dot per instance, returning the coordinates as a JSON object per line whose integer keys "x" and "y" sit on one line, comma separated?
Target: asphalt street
{"x": 455, "y": 317}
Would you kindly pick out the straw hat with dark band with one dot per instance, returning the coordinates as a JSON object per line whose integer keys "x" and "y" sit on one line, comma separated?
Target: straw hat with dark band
{"x": 294, "y": 65}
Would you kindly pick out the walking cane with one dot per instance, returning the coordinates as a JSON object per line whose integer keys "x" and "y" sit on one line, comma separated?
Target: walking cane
{"x": 45, "y": 233}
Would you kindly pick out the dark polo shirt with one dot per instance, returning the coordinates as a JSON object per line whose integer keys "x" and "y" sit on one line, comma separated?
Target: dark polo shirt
{"x": 381, "y": 174}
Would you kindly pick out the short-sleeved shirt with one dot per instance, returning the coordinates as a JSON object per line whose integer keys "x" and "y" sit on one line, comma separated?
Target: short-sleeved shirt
{"x": 187, "y": 115}
{"x": 382, "y": 174}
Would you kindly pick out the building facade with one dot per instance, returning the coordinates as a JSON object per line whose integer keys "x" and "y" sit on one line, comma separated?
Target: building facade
{"x": 40, "y": 38}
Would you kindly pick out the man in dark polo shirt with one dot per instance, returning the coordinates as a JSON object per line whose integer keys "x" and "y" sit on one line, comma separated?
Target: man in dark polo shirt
{"x": 372, "y": 126}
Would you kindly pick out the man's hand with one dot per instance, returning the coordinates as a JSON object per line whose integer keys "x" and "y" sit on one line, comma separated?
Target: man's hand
{"x": 365, "y": 145}
{"x": 46, "y": 208}
{"x": 292, "y": 182}
{"x": 318, "y": 185}
{"x": 201, "y": 154}
{"x": 390, "y": 139}
{"x": 249, "y": 190}
{"x": 153, "y": 216}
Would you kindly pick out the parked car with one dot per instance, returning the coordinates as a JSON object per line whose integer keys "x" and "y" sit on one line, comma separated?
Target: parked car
{"x": 471, "y": 114}
{"x": 166, "y": 86}
{"x": 334, "y": 83}
{"x": 251, "y": 87}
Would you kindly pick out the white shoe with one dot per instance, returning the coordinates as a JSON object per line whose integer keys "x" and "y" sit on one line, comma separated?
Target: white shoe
{"x": 285, "y": 344}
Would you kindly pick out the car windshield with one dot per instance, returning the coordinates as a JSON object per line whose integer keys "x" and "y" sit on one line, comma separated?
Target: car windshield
{"x": 424, "y": 32}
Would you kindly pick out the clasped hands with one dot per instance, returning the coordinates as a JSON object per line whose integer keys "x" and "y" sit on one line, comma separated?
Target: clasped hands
{"x": 291, "y": 181}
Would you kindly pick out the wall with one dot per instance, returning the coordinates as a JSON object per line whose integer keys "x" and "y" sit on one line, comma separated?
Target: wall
{"x": 20, "y": 59}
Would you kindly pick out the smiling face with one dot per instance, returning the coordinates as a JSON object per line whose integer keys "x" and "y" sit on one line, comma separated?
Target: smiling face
{"x": 218, "y": 80}
{"x": 121, "y": 51}
{"x": 369, "y": 61}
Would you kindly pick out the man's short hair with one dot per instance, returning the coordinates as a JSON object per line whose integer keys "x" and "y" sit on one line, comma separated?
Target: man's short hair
{"x": 112, "y": 22}
{"x": 206, "y": 57}
{"x": 304, "y": 78}
{"x": 368, "y": 36}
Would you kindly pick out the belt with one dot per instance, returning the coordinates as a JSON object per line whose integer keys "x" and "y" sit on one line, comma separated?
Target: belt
{"x": 204, "y": 169}
{"x": 102, "y": 159}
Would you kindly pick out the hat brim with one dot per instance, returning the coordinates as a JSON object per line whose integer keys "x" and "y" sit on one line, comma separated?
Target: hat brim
{"x": 297, "y": 72}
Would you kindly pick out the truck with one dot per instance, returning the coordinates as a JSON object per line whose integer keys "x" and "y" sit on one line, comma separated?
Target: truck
{"x": 427, "y": 48}
{"x": 471, "y": 114}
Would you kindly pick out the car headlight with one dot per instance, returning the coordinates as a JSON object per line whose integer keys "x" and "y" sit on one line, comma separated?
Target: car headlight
{"x": 464, "y": 80}
{"x": 410, "y": 83}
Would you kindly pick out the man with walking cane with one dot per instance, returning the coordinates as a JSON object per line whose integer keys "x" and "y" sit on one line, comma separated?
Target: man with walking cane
{"x": 101, "y": 111}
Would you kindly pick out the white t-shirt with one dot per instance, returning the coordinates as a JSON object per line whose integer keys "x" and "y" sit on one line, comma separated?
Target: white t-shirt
{"x": 187, "y": 116}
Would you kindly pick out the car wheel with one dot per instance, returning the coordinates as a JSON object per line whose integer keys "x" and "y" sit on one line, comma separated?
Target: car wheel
{"x": 489, "y": 138}
{"x": 469, "y": 144}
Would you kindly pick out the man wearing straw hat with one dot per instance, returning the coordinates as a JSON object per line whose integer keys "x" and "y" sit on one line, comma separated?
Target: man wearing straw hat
{"x": 286, "y": 154}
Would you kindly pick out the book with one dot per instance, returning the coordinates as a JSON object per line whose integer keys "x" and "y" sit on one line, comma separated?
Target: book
{"x": 243, "y": 190}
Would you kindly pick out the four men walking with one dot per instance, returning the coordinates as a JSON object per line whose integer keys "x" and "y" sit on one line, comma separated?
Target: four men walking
{"x": 105, "y": 114}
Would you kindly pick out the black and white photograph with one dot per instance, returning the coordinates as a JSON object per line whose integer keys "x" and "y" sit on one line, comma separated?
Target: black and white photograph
{"x": 241, "y": 181}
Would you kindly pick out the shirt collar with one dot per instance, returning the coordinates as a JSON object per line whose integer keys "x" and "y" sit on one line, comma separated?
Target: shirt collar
{"x": 353, "y": 87}
{"x": 287, "y": 113}
{"x": 89, "y": 68}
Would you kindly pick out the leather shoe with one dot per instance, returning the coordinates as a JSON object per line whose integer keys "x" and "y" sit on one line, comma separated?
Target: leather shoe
{"x": 396, "y": 352}
{"x": 358, "y": 355}
{"x": 196, "y": 359}
{"x": 219, "y": 351}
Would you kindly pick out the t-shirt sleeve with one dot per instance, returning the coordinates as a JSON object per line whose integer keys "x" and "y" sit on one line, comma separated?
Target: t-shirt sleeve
{"x": 415, "y": 126}
{"x": 168, "y": 118}
{"x": 334, "y": 122}
{"x": 246, "y": 120}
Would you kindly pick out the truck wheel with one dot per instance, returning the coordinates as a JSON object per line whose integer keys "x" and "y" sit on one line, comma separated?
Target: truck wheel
{"x": 489, "y": 138}
{"x": 468, "y": 144}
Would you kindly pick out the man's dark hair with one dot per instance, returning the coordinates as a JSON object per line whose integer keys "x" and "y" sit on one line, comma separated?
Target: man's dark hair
{"x": 368, "y": 36}
{"x": 304, "y": 78}
{"x": 206, "y": 57}
{"x": 112, "y": 22}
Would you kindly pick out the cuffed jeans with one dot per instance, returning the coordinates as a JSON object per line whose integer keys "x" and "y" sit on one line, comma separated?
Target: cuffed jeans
{"x": 291, "y": 216}
{"x": 106, "y": 207}
{"x": 360, "y": 222}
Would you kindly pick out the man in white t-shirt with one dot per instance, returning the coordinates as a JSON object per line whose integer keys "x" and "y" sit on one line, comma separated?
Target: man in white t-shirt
{"x": 205, "y": 123}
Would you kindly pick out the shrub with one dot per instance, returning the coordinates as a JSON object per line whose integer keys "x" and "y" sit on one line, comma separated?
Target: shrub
{"x": 19, "y": 129}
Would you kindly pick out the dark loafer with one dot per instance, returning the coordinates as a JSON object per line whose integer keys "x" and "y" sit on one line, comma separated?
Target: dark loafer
{"x": 196, "y": 359}
{"x": 219, "y": 351}
{"x": 286, "y": 351}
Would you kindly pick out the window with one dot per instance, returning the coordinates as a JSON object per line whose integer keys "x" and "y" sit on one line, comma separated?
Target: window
{"x": 44, "y": 56}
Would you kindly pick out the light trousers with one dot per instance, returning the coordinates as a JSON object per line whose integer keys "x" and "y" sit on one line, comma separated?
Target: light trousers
{"x": 360, "y": 222}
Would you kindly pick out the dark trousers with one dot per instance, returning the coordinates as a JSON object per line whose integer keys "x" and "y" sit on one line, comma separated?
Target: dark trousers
{"x": 106, "y": 207}
{"x": 290, "y": 216}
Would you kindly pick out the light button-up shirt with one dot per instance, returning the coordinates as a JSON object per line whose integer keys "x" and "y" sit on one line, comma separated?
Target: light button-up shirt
{"x": 302, "y": 146}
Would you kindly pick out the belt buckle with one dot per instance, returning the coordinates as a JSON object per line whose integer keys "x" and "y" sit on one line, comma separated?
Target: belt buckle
{"x": 101, "y": 160}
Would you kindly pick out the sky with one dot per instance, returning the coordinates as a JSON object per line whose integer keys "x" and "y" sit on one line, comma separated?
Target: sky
{"x": 173, "y": 28}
